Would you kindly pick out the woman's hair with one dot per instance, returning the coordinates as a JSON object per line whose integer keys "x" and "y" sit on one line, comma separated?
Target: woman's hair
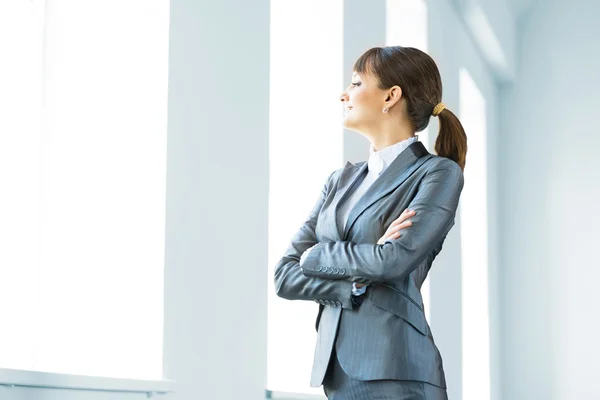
{"x": 419, "y": 78}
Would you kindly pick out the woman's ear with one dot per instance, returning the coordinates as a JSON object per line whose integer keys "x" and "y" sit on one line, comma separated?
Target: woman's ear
{"x": 393, "y": 95}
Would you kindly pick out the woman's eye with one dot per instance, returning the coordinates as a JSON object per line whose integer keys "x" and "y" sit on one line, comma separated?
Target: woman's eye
{"x": 355, "y": 83}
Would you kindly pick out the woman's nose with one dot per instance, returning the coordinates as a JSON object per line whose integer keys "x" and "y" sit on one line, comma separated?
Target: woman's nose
{"x": 344, "y": 97}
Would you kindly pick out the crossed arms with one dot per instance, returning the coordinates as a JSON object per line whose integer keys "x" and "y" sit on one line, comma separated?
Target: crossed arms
{"x": 329, "y": 269}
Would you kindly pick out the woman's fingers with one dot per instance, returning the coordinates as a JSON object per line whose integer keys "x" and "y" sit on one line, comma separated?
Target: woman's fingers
{"x": 389, "y": 235}
{"x": 393, "y": 231}
{"x": 402, "y": 225}
{"x": 405, "y": 214}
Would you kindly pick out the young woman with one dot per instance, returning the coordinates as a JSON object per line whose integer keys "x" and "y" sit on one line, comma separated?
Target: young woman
{"x": 369, "y": 242}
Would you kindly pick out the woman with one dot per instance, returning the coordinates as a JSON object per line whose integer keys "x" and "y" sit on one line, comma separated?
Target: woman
{"x": 369, "y": 242}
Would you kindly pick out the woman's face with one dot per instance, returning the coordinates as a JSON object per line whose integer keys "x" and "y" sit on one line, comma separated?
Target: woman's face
{"x": 363, "y": 103}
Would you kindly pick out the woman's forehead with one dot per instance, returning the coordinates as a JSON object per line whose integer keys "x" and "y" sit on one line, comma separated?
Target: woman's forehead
{"x": 362, "y": 75}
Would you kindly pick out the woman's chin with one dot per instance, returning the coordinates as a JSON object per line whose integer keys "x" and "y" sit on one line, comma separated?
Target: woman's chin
{"x": 348, "y": 123}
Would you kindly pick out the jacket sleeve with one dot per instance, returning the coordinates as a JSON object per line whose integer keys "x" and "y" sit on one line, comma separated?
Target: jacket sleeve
{"x": 435, "y": 204}
{"x": 292, "y": 284}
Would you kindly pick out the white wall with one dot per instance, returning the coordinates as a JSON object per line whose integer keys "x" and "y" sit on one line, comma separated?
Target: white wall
{"x": 550, "y": 174}
{"x": 453, "y": 47}
{"x": 217, "y": 199}
{"x": 493, "y": 25}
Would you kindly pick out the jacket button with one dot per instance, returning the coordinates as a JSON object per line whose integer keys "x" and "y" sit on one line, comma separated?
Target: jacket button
{"x": 336, "y": 270}
{"x": 342, "y": 271}
{"x": 330, "y": 270}
{"x": 318, "y": 268}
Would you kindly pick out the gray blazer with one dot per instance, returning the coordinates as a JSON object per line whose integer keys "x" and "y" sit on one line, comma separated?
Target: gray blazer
{"x": 387, "y": 336}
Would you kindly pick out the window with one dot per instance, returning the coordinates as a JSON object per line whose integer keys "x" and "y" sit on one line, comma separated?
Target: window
{"x": 83, "y": 208}
{"x": 474, "y": 242}
{"x": 306, "y": 123}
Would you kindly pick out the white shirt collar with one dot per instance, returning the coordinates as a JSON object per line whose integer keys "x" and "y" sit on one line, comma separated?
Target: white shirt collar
{"x": 380, "y": 160}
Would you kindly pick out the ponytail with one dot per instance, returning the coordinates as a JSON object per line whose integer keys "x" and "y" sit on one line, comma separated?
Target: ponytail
{"x": 452, "y": 140}
{"x": 419, "y": 77}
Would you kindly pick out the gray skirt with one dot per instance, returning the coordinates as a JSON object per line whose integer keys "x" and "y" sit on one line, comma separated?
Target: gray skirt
{"x": 339, "y": 386}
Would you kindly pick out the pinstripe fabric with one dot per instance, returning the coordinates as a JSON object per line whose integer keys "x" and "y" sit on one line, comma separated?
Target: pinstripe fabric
{"x": 387, "y": 336}
{"x": 339, "y": 386}
{"x": 377, "y": 163}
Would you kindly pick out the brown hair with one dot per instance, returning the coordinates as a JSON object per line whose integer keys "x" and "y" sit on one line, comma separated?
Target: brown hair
{"x": 419, "y": 78}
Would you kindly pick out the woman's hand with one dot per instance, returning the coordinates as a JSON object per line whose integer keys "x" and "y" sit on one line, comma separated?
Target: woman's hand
{"x": 393, "y": 232}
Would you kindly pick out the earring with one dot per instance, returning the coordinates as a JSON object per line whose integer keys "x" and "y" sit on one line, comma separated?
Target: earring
{"x": 385, "y": 110}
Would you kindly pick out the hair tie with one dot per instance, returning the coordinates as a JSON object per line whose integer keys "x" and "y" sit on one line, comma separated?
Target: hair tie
{"x": 438, "y": 109}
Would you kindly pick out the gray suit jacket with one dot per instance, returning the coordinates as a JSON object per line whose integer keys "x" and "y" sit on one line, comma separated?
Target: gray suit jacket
{"x": 387, "y": 336}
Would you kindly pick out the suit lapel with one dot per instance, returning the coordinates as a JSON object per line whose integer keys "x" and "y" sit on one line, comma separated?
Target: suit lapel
{"x": 393, "y": 176}
{"x": 351, "y": 175}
